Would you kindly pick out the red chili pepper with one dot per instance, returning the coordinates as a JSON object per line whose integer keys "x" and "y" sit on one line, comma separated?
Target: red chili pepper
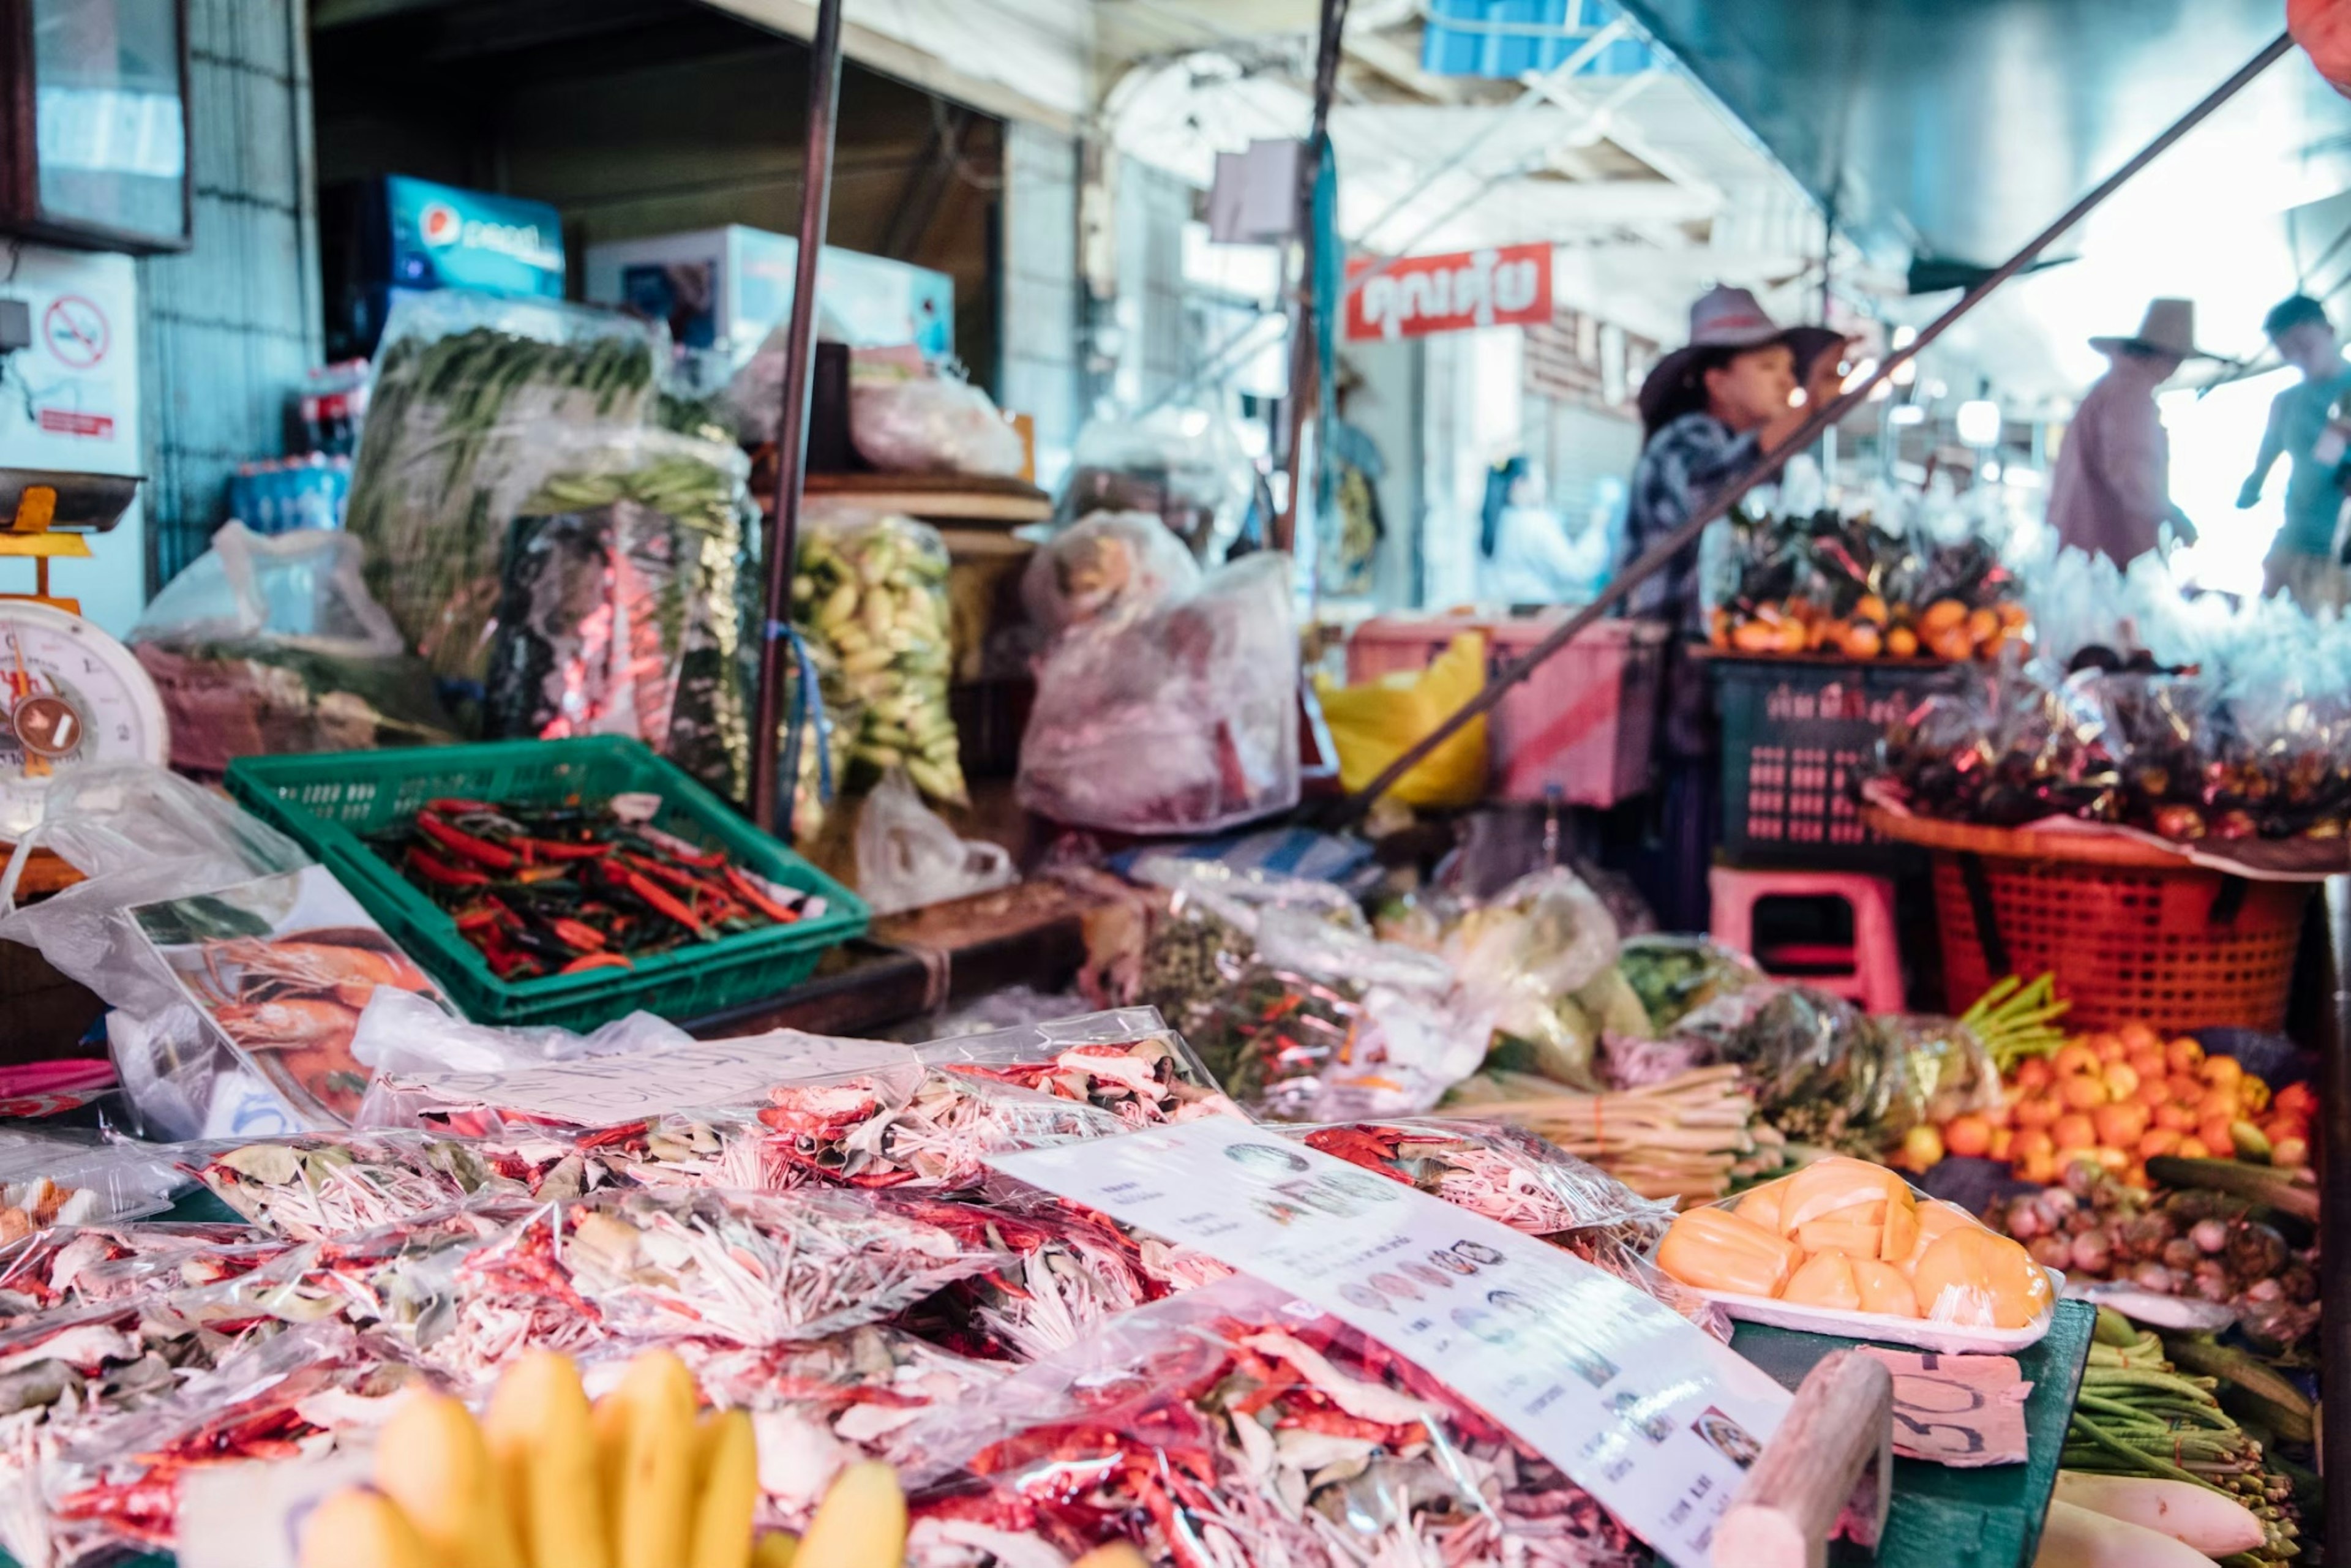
{"x": 434, "y": 869}
{"x": 549, "y": 848}
{"x": 526, "y": 874}
{"x": 655, "y": 895}
{"x": 577, "y": 935}
{"x": 758, "y": 898}
{"x": 587, "y": 961}
{"x": 449, "y": 806}
{"x": 478, "y": 919}
{"x": 683, "y": 881}
{"x": 481, "y": 852}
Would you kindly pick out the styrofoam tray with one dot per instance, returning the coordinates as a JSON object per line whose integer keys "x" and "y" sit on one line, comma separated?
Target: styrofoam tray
{"x": 1921, "y": 1333}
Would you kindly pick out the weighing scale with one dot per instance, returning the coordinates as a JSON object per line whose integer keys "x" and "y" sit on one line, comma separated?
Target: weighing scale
{"x": 71, "y": 696}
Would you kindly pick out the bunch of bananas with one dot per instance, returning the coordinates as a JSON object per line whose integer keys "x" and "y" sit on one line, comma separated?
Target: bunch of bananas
{"x": 874, "y": 594}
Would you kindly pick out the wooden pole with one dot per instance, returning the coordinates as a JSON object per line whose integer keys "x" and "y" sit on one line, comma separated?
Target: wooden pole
{"x": 767, "y": 810}
{"x": 1305, "y": 340}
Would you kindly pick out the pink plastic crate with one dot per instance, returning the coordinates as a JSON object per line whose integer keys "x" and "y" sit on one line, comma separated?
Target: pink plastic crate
{"x": 1583, "y": 722}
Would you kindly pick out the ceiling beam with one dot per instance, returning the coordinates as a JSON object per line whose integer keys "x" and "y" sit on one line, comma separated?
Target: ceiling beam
{"x": 894, "y": 57}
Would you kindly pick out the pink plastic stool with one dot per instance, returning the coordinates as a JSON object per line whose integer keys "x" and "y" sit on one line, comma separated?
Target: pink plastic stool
{"x": 1873, "y": 965}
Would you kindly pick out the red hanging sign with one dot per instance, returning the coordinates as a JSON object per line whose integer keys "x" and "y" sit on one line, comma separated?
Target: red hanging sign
{"x": 1508, "y": 285}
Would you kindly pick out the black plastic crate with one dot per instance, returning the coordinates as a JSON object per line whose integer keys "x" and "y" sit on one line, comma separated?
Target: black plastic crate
{"x": 1798, "y": 735}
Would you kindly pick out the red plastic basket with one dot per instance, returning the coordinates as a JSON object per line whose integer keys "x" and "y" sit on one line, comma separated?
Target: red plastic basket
{"x": 2178, "y": 947}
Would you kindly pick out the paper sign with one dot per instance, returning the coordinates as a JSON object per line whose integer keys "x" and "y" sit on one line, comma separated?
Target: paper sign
{"x": 1632, "y": 1401}
{"x": 1964, "y": 1411}
{"x": 251, "y": 1515}
{"x": 605, "y": 1091}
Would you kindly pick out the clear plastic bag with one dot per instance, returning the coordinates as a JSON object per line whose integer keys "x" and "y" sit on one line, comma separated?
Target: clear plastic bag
{"x": 870, "y": 591}
{"x": 139, "y": 835}
{"x": 1068, "y": 1273}
{"x": 1505, "y": 1173}
{"x": 626, "y": 602}
{"x": 1201, "y": 1428}
{"x": 471, "y": 390}
{"x": 908, "y": 858}
{"x": 1675, "y": 974}
{"x": 1183, "y": 466}
{"x": 321, "y": 1186}
{"x": 1126, "y": 1061}
{"x": 67, "y": 1266}
{"x": 1536, "y": 955}
{"x": 266, "y": 645}
{"x": 58, "y": 1178}
{"x": 928, "y": 424}
{"x": 1181, "y": 721}
{"x": 1108, "y": 566}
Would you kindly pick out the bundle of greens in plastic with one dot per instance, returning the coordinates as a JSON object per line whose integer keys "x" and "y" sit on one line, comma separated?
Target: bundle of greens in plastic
{"x": 871, "y": 593}
{"x": 1542, "y": 956}
{"x": 468, "y": 390}
{"x": 1181, "y": 720}
{"x": 621, "y": 605}
{"x": 269, "y": 645}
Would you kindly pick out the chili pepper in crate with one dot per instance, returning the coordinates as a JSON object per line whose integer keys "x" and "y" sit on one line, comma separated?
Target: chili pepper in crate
{"x": 441, "y": 873}
{"x": 481, "y": 852}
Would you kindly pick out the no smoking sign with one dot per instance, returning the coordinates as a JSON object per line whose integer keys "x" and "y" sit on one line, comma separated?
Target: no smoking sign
{"x": 74, "y": 330}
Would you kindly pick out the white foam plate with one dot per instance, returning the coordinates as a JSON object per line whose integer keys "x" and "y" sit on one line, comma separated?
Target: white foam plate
{"x": 1919, "y": 1333}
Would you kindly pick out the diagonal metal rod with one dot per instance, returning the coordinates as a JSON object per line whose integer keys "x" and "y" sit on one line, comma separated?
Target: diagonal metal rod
{"x": 791, "y": 429}
{"x": 1656, "y": 558}
{"x": 1306, "y": 333}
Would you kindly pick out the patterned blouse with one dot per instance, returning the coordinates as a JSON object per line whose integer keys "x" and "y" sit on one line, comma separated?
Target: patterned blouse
{"x": 1683, "y": 464}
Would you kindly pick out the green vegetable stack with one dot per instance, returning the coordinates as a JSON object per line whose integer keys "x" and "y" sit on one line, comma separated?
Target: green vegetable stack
{"x": 873, "y": 594}
{"x": 2139, "y": 1416}
{"x": 460, "y": 423}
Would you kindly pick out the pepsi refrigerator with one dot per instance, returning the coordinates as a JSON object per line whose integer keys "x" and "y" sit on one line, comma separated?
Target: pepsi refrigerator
{"x": 397, "y": 235}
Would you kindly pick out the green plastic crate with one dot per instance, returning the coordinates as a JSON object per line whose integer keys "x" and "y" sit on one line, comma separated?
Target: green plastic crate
{"x": 326, "y": 803}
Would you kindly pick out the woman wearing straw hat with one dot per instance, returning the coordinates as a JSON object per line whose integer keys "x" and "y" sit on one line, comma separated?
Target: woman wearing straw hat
{"x": 2110, "y": 492}
{"x": 1710, "y": 412}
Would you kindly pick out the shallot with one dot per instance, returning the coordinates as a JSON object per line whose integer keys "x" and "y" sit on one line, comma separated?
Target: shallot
{"x": 2091, "y": 1252}
{"x": 2155, "y": 1277}
{"x": 2209, "y": 1234}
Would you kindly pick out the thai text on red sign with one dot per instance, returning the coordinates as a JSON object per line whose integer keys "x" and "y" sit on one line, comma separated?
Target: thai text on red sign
{"x": 1421, "y": 295}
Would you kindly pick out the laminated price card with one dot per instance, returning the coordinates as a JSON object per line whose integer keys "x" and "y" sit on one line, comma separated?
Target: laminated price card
{"x": 1635, "y": 1404}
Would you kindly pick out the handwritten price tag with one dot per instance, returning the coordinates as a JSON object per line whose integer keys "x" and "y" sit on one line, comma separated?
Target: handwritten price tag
{"x": 1964, "y": 1411}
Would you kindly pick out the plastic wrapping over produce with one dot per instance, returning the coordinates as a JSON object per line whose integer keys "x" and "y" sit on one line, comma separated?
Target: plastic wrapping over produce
{"x": 1126, "y": 1061}
{"x": 1235, "y": 1426}
{"x": 1505, "y": 1173}
{"x": 1536, "y": 955}
{"x": 141, "y": 835}
{"x": 321, "y": 1186}
{"x": 870, "y": 591}
{"x": 1825, "y": 1072}
{"x": 1107, "y": 567}
{"x": 1675, "y": 974}
{"x": 402, "y": 1035}
{"x": 1183, "y": 465}
{"x": 267, "y": 645}
{"x": 1328, "y": 1024}
{"x": 68, "y": 1266}
{"x": 622, "y": 604}
{"x": 1182, "y": 720}
{"x": 908, "y": 858}
{"x": 470, "y": 393}
{"x": 925, "y": 423}
{"x": 1065, "y": 1273}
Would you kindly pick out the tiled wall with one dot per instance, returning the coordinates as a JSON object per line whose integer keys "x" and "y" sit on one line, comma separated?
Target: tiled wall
{"x": 1040, "y": 310}
{"x": 230, "y": 326}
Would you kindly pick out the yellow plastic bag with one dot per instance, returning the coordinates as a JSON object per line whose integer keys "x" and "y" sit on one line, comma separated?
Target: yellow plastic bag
{"x": 1373, "y": 723}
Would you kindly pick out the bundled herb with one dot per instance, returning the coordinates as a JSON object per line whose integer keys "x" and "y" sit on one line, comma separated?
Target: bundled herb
{"x": 465, "y": 394}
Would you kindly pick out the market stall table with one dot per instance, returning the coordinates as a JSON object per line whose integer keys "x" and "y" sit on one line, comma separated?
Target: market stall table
{"x": 1945, "y": 1518}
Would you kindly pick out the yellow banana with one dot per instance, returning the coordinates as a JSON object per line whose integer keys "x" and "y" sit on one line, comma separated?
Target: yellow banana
{"x": 431, "y": 1461}
{"x": 728, "y": 1492}
{"x": 1117, "y": 1554}
{"x": 776, "y": 1550}
{"x": 544, "y": 1447}
{"x": 655, "y": 1497}
{"x": 861, "y": 1523}
{"x": 359, "y": 1527}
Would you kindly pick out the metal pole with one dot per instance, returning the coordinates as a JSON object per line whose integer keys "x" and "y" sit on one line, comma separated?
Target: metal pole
{"x": 1656, "y": 558}
{"x": 1305, "y": 343}
{"x": 2334, "y": 1228}
{"x": 791, "y": 431}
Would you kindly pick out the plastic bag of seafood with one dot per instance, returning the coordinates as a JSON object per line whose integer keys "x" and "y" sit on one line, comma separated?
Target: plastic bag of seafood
{"x": 1069, "y": 1270}
{"x": 1234, "y": 1424}
{"x": 1126, "y": 1061}
{"x": 69, "y": 1266}
{"x": 1504, "y": 1172}
{"x": 316, "y": 1187}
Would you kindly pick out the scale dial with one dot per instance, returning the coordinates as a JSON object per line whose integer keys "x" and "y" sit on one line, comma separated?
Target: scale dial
{"x": 69, "y": 696}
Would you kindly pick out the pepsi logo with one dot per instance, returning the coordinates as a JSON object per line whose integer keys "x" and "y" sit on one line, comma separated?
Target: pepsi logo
{"x": 440, "y": 223}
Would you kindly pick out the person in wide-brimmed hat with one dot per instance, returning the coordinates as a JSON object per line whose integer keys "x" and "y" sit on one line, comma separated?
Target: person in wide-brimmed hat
{"x": 2110, "y": 492}
{"x": 1710, "y": 412}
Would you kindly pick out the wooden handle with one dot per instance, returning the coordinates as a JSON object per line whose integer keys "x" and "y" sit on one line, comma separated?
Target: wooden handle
{"x": 1831, "y": 1461}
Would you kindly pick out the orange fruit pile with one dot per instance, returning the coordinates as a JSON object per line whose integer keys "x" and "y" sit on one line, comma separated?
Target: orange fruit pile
{"x": 2124, "y": 1096}
{"x": 1946, "y": 629}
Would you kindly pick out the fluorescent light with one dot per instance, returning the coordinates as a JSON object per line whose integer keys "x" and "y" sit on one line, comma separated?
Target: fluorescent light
{"x": 1979, "y": 423}
{"x": 1860, "y": 373}
{"x": 1906, "y": 413}
{"x": 1905, "y": 336}
{"x": 1990, "y": 471}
